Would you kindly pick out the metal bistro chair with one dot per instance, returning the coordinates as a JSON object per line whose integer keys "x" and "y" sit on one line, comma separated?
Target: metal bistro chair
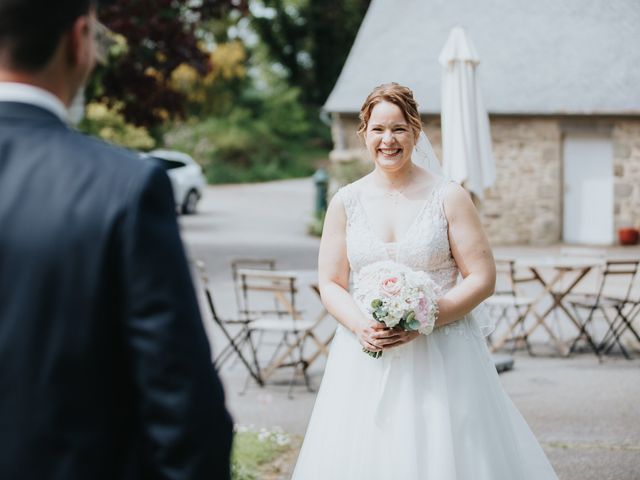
{"x": 509, "y": 306}
{"x": 610, "y": 302}
{"x": 259, "y": 289}
{"x": 237, "y": 341}
{"x": 627, "y": 313}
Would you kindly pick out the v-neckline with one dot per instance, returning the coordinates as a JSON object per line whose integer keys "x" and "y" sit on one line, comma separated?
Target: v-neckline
{"x": 402, "y": 237}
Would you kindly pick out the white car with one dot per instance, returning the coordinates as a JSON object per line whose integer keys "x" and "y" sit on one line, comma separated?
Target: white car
{"x": 186, "y": 175}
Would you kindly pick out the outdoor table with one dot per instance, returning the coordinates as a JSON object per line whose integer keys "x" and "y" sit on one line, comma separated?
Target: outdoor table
{"x": 572, "y": 268}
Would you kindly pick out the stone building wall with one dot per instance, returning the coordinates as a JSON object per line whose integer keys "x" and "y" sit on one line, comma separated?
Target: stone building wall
{"x": 524, "y": 206}
{"x": 626, "y": 170}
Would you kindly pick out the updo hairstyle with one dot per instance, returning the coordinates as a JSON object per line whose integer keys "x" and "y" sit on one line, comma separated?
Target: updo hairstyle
{"x": 400, "y": 96}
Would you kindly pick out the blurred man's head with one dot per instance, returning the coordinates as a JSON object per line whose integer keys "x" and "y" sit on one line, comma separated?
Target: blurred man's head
{"x": 52, "y": 37}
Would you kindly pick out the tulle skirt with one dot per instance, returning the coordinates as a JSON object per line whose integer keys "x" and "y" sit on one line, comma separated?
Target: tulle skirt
{"x": 432, "y": 409}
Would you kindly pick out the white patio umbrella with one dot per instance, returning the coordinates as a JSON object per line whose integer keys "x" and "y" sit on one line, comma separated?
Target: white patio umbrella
{"x": 466, "y": 138}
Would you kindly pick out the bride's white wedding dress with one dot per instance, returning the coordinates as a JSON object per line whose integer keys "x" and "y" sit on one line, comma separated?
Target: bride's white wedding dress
{"x": 431, "y": 409}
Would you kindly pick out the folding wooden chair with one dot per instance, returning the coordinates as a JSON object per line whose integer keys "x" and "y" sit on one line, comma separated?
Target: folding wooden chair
{"x": 259, "y": 288}
{"x": 323, "y": 347}
{"x": 610, "y": 302}
{"x": 247, "y": 263}
{"x": 508, "y": 306}
{"x": 237, "y": 341}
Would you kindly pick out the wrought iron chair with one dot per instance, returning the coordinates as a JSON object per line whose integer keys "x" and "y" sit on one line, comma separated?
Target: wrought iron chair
{"x": 238, "y": 339}
{"x": 610, "y": 302}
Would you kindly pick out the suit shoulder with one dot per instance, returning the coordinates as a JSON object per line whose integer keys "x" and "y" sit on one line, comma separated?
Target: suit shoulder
{"x": 114, "y": 169}
{"x": 106, "y": 155}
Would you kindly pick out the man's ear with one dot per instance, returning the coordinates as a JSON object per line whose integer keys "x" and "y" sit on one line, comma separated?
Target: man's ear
{"x": 78, "y": 39}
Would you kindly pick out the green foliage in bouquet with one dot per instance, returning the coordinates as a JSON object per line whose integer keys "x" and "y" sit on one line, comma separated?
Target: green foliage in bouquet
{"x": 408, "y": 321}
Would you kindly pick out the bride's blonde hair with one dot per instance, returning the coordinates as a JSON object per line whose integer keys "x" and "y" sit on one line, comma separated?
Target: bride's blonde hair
{"x": 400, "y": 96}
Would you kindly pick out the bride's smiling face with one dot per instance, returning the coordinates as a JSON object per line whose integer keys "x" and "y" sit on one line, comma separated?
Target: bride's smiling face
{"x": 388, "y": 137}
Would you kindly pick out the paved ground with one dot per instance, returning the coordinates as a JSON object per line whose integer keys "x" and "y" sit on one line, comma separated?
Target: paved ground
{"x": 585, "y": 414}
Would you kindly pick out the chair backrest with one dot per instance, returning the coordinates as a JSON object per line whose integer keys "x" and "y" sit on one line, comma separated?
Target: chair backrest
{"x": 508, "y": 276}
{"x": 618, "y": 278}
{"x": 247, "y": 263}
{"x": 505, "y": 271}
{"x": 269, "y": 293}
{"x": 203, "y": 277}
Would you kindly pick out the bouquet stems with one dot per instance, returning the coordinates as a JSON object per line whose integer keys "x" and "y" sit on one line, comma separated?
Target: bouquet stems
{"x": 372, "y": 354}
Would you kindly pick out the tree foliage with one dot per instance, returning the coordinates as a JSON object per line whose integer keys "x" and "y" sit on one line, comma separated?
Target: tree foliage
{"x": 217, "y": 92}
{"x": 110, "y": 125}
{"x": 160, "y": 35}
{"x": 310, "y": 39}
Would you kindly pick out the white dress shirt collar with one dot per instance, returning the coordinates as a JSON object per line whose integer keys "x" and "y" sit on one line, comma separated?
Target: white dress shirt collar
{"x": 29, "y": 94}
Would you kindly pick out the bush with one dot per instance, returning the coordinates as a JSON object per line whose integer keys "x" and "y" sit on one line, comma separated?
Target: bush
{"x": 264, "y": 138}
{"x": 316, "y": 225}
{"x": 108, "y": 124}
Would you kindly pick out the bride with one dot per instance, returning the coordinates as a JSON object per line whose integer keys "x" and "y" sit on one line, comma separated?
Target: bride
{"x": 432, "y": 406}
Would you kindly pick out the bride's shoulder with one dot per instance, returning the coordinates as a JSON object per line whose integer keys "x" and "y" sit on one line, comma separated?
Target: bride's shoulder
{"x": 455, "y": 198}
{"x": 452, "y": 191}
{"x": 356, "y": 185}
{"x": 349, "y": 192}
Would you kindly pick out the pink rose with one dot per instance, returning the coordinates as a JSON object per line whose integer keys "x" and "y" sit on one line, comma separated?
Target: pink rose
{"x": 391, "y": 286}
{"x": 422, "y": 311}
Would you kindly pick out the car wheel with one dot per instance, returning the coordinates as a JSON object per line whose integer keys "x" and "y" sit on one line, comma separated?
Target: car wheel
{"x": 190, "y": 202}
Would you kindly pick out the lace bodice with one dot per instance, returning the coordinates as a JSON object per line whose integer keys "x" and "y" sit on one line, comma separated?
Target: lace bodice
{"x": 425, "y": 245}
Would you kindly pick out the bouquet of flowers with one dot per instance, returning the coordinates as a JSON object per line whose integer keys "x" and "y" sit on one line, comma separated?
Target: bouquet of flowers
{"x": 398, "y": 297}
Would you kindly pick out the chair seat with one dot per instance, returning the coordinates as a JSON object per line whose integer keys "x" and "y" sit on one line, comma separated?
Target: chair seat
{"x": 508, "y": 301}
{"x": 281, "y": 324}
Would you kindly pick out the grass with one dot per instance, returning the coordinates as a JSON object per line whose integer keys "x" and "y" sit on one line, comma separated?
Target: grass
{"x": 255, "y": 450}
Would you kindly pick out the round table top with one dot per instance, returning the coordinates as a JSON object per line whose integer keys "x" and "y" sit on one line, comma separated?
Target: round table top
{"x": 560, "y": 262}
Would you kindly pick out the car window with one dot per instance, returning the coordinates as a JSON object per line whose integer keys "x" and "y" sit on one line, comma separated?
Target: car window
{"x": 167, "y": 164}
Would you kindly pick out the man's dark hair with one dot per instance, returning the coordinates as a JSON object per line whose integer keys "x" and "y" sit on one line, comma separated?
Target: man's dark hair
{"x": 31, "y": 29}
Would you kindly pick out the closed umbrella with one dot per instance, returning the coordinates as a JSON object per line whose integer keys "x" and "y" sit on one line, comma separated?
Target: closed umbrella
{"x": 466, "y": 138}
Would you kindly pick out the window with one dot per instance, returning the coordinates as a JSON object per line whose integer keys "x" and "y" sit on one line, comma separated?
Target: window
{"x": 167, "y": 164}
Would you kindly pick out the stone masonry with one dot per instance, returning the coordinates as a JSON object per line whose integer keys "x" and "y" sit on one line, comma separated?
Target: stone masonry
{"x": 626, "y": 170}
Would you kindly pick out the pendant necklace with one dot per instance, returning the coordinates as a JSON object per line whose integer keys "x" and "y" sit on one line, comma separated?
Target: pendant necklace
{"x": 395, "y": 194}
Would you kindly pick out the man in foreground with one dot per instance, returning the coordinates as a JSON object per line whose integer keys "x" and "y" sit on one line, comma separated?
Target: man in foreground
{"x": 105, "y": 368}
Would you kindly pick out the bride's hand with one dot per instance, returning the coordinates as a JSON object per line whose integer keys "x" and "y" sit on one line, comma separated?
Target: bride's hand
{"x": 375, "y": 336}
{"x": 367, "y": 335}
{"x": 393, "y": 337}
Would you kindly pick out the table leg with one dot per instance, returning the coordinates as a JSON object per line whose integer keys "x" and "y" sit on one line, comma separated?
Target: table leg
{"x": 540, "y": 318}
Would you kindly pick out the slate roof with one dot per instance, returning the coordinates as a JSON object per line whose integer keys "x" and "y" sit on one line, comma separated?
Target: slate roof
{"x": 537, "y": 56}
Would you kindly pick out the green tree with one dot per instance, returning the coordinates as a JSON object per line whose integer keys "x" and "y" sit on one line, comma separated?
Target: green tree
{"x": 160, "y": 35}
{"x": 310, "y": 39}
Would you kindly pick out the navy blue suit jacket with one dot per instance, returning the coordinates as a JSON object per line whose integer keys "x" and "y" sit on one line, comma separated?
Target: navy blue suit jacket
{"x": 105, "y": 369}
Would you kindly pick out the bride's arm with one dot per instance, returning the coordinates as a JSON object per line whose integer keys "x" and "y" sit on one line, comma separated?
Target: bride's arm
{"x": 333, "y": 278}
{"x": 471, "y": 251}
